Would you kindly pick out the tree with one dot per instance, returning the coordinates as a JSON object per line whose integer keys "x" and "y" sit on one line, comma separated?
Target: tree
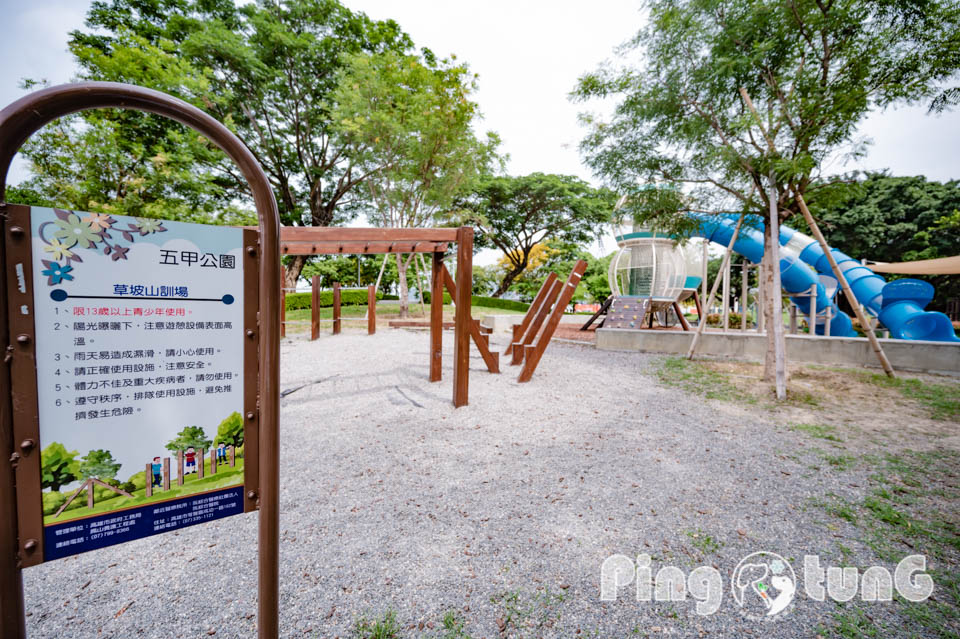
{"x": 514, "y": 214}
{"x": 813, "y": 69}
{"x": 58, "y": 466}
{"x": 230, "y": 431}
{"x": 267, "y": 69}
{"x": 408, "y": 120}
{"x": 98, "y": 464}
{"x": 189, "y": 437}
{"x": 895, "y": 219}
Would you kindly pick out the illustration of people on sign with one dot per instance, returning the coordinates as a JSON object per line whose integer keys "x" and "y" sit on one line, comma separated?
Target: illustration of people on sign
{"x": 157, "y": 468}
{"x": 190, "y": 461}
{"x": 221, "y": 453}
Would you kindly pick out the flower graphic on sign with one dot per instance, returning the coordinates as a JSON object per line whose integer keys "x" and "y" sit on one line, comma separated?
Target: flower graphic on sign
{"x": 74, "y": 231}
{"x": 91, "y": 232}
{"x": 55, "y": 272}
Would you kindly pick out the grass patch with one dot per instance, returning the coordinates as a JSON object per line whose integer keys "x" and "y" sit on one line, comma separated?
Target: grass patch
{"x": 524, "y": 615}
{"x": 384, "y": 627}
{"x": 942, "y": 401}
{"x": 703, "y": 542}
{"x": 840, "y": 462}
{"x": 699, "y": 379}
{"x": 819, "y": 431}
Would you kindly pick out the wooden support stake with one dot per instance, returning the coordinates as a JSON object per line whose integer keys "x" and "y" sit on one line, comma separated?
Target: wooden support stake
{"x": 233, "y": 456}
{"x": 436, "y": 317}
{"x": 534, "y": 307}
{"x": 179, "y": 468}
{"x": 534, "y": 329}
{"x": 491, "y": 359}
{"x": 517, "y": 342}
{"x": 200, "y": 462}
{"x": 600, "y": 311}
{"x": 166, "y": 473}
{"x": 371, "y": 310}
{"x": 699, "y": 305}
{"x": 683, "y": 320}
{"x": 148, "y": 489}
{"x": 213, "y": 461}
{"x": 812, "y": 309}
{"x": 532, "y": 358}
{"x": 744, "y": 292}
{"x": 336, "y": 308}
{"x": 461, "y": 337}
{"x": 315, "y": 307}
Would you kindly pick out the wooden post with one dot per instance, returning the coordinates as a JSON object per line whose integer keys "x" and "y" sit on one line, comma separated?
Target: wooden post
{"x": 233, "y": 456}
{"x": 534, "y": 329}
{"x": 744, "y": 296}
{"x": 200, "y": 462}
{"x": 336, "y": 308}
{"x": 90, "y": 494}
{"x": 283, "y": 307}
{"x": 148, "y": 489}
{"x": 683, "y": 320}
{"x": 699, "y": 305}
{"x": 461, "y": 330}
{"x": 713, "y": 289}
{"x": 436, "y": 318}
{"x": 517, "y": 344}
{"x": 532, "y": 358}
{"x": 703, "y": 282}
{"x": 793, "y": 319}
{"x": 179, "y": 468}
{"x": 812, "y": 311}
{"x": 761, "y": 323}
{"x": 315, "y": 307}
{"x": 166, "y": 473}
{"x": 371, "y": 309}
{"x": 826, "y": 322}
{"x": 532, "y": 310}
{"x": 779, "y": 354}
{"x": 213, "y": 461}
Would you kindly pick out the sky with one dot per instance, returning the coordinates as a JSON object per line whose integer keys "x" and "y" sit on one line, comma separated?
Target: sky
{"x": 528, "y": 54}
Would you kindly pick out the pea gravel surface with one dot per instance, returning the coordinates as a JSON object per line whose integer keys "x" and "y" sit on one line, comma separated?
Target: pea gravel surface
{"x": 502, "y": 511}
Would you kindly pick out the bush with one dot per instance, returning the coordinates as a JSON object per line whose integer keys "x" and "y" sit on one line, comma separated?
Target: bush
{"x": 496, "y": 302}
{"x": 348, "y": 297}
{"x": 52, "y": 501}
{"x": 389, "y": 297}
{"x": 716, "y": 319}
{"x": 446, "y": 298}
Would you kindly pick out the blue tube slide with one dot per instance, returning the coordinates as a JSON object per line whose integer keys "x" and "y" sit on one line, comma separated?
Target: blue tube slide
{"x": 795, "y": 276}
{"x": 899, "y": 304}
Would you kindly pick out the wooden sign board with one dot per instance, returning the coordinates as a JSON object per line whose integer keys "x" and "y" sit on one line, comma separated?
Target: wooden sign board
{"x": 134, "y": 373}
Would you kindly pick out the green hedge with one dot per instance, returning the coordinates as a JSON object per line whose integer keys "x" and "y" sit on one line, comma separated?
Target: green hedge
{"x": 348, "y": 297}
{"x": 446, "y": 297}
{"x": 495, "y": 302}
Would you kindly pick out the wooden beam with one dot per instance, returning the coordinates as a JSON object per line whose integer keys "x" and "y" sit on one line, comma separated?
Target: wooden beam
{"x": 491, "y": 359}
{"x": 376, "y": 234}
{"x": 461, "y": 336}
{"x": 532, "y": 357}
{"x": 436, "y": 317}
{"x": 683, "y": 320}
{"x": 519, "y": 350}
{"x": 534, "y": 305}
{"x": 296, "y": 247}
{"x": 600, "y": 311}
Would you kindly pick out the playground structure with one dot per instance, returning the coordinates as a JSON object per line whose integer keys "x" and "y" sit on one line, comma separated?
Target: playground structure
{"x": 652, "y": 272}
{"x": 301, "y": 240}
{"x": 336, "y": 320}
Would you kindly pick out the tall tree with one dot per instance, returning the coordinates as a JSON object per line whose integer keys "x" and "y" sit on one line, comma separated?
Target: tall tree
{"x": 813, "y": 69}
{"x": 98, "y": 464}
{"x": 409, "y": 121}
{"x": 267, "y": 69}
{"x": 514, "y": 214}
{"x": 58, "y": 466}
{"x": 189, "y": 437}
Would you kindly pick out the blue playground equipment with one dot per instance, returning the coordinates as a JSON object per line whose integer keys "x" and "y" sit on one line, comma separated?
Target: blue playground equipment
{"x": 899, "y": 304}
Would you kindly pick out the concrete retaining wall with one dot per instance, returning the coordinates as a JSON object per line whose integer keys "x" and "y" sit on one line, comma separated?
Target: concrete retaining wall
{"x": 932, "y": 357}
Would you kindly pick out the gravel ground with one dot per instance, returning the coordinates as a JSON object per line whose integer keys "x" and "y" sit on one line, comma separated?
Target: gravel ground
{"x": 503, "y": 510}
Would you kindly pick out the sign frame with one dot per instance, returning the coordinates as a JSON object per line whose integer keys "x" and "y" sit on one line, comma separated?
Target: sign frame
{"x": 20, "y": 120}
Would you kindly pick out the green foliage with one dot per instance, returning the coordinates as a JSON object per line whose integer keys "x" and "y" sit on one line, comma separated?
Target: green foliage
{"x": 486, "y": 278}
{"x": 384, "y": 627}
{"x": 58, "y": 466}
{"x": 496, "y": 302}
{"x": 941, "y": 400}
{"x": 100, "y": 464}
{"x": 514, "y": 214}
{"x": 348, "y": 297}
{"x": 230, "y": 431}
{"x": 698, "y": 378}
{"x": 896, "y": 219}
{"x": 189, "y": 437}
{"x": 52, "y": 500}
{"x": 446, "y": 298}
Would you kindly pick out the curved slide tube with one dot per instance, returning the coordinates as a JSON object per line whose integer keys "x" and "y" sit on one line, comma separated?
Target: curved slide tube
{"x": 795, "y": 276}
{"x": 899, "y": 304}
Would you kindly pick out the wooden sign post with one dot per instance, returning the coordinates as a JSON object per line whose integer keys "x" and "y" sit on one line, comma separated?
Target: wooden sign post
{"x": 114, "y": 303}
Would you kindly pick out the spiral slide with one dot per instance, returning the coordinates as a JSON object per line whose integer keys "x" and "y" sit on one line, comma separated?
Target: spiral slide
{"x": 795, "y": 276}
{"x": 898, "y": 304}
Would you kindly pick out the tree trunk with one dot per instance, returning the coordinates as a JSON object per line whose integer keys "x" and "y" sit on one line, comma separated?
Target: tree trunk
{"x": 292, "y": 272}
{"x": 402, "y": 265}
{"x": 509, "y": 277}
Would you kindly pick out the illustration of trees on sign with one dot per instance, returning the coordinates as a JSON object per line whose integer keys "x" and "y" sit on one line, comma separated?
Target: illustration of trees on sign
{"x": 96, "y": 467}
{"x": 230, "y": 431}
{"x": 58, "y": 466}
{"x": 189, "y": 437}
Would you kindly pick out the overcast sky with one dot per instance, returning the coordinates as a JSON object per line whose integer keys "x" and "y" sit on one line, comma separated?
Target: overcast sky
{"x": 528, "y": 55}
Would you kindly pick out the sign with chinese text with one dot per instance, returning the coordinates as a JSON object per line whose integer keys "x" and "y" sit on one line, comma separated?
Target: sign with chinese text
{"x": 143, "y": 371}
